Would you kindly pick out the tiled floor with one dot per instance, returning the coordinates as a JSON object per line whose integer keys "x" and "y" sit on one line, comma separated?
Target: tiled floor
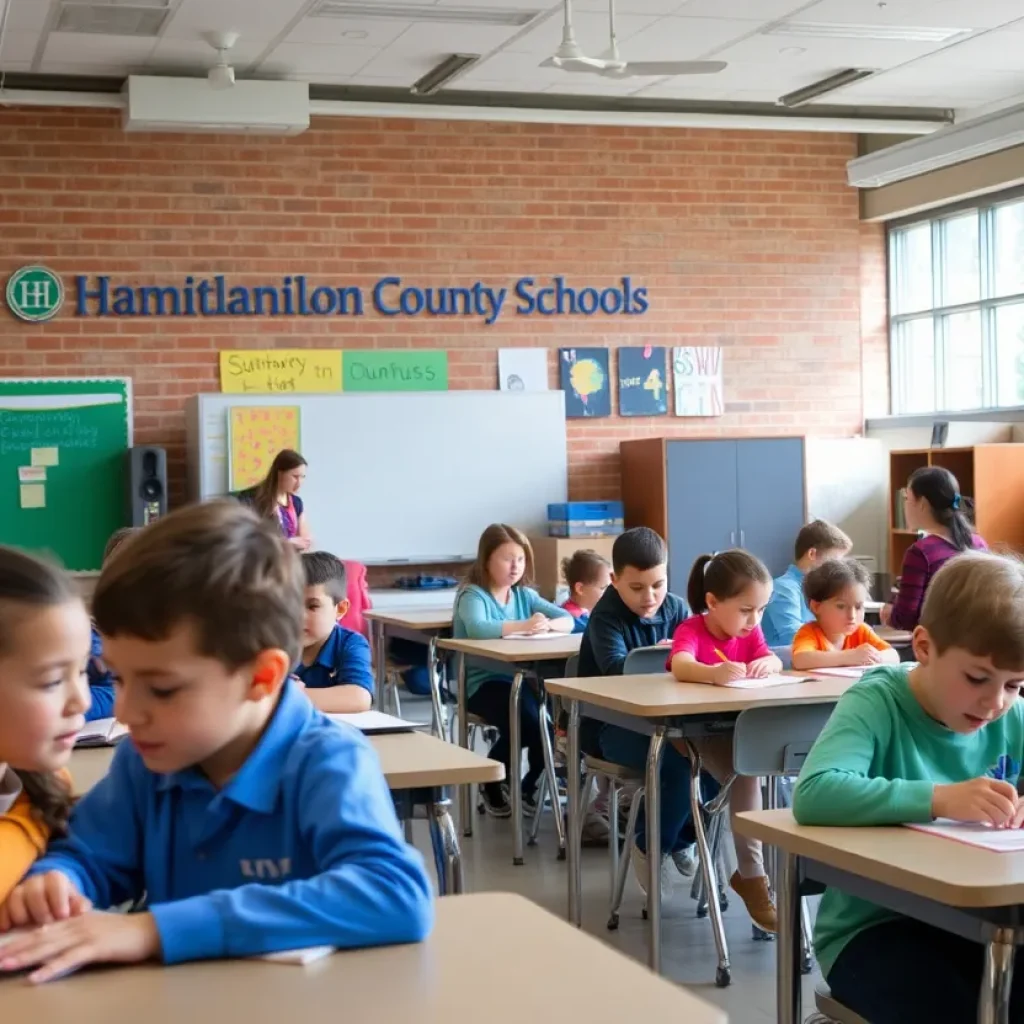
{"x": 688, "y": 951}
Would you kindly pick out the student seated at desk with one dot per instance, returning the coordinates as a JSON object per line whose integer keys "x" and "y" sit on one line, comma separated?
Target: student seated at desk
{"x": 787, "y": 611}
{"x": 836, "y": 592}
{"x": 494, "y": 602}
{"x": 248, "y": 820}
{"x": 335, "y": 666}
{"x": 44, "y": 644}
{"x": 588, "y": 576}
{"x": 722, "y": 641}
{"x": 942, "y": 739}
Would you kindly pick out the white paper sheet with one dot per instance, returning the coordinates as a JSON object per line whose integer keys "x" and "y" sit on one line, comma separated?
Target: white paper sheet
{"x": 370, "y": 722}
{"x": 758, "y": 684}
{"x": 550, "y": 635}
{"x": 300, "y": 957}
{"x": 1002, "y": 840}
{"x": 842, "y": 672}
{"x": 523, "y": 369}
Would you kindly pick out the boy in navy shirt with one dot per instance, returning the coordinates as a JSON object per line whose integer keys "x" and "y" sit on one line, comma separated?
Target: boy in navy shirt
{"x": 335, "y": 666}
{"x": 248, "y": 821}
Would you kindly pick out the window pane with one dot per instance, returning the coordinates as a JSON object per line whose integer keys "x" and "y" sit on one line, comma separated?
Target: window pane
{"x": 961, "y": 274}
{"x": 915, "y": 362}
{"x": 1009, "y": 249}
{"x": 963, "y": 361}
{"x": 912, "y": 252}
{"x": 1010, "y": 354}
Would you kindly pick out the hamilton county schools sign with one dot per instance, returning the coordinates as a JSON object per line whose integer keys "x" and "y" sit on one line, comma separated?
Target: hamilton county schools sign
{"x": 36, "y": 294}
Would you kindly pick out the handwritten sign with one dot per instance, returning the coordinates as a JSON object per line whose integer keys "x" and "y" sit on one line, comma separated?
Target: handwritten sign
{"x": 396, "y": 370}
{"x": 280, "y": 370}
{"x": 698, "y": 380}
{"x": 256, "y": 433}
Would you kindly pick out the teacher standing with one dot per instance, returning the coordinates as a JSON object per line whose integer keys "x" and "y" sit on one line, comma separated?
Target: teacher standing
{"x": 277, "y": 497}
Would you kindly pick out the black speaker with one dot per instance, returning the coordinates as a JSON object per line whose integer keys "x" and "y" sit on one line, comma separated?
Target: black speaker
{"x": 147, "y": 485}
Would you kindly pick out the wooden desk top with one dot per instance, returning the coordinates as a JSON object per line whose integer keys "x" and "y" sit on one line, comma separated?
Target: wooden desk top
{"x": 444, "y": 980}
{"x": 928, "y": 866}
{"x": 893, "y": 636}
{"x": 556, "y": 648}
{"x": 655, "y": 695}
{"x": 409, "y": 761}
{"x": 414, "y": 618}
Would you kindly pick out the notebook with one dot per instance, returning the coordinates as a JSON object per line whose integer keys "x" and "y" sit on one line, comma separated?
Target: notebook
{"x": 757, "y": 684}
{"x": 550, "y": 635}
{"x": 103, "y": 732}
{"x": 299, "y": 957}
{"x": 375, "y": 723}
{"x": 846, "y": 672}
{"x": 1001, "y": 840}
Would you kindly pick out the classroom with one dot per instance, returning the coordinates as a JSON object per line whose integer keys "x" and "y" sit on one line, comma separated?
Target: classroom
{"x": 609, "y": 414}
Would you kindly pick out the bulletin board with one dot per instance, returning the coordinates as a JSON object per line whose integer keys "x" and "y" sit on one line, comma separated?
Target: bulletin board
{"x": 256, "y": 433}
{"x": 62, "y": 464}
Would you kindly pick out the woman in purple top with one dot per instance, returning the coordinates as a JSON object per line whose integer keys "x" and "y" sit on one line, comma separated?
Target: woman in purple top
{"x": 276, "y": 497}
{"x": 935, "y": 506}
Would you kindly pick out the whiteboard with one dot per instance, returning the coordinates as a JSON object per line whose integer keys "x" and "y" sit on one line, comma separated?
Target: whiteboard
{"x": 411, "y": 477}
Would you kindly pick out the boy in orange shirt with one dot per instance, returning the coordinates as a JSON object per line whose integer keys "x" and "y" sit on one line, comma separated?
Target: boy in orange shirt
{"x": 836, "y": 592}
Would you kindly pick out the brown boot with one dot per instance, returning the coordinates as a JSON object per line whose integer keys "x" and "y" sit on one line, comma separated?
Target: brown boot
{"x": 757, "y": 899}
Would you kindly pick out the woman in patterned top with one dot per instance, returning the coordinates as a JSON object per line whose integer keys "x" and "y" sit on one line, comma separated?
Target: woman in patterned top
{"x": 277, "y": 497}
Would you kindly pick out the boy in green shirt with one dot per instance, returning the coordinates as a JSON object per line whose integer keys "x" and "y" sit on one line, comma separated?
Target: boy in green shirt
{"x": 943, "y": 739}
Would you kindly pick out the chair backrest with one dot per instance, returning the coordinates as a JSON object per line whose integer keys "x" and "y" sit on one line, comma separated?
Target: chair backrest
{"x": 644, "y": 660}
{"x": 572, "y": 666}
{"x": 777, "y": 740}
{"x": 785, "y": 655}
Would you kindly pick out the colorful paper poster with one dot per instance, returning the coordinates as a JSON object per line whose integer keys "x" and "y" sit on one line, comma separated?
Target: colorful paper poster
{"x": 256, "y": 433}
{"x": 396, "y": 370}
{"x": 698, "y": 380}
{"x": 643, "y": 388}
{"x": 523, "y": 369}
{"x": 275, "y": 371}
{"x": 583, "y": 374}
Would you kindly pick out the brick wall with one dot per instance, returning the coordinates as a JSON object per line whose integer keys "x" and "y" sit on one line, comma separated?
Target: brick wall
{"x": 748, "y": 240}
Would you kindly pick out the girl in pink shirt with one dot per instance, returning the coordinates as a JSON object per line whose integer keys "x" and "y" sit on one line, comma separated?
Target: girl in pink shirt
{"x": 723, "y": 642}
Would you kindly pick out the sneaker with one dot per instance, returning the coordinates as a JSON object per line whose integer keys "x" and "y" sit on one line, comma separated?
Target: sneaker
{"x": 530, "y": 801}
{"x": 757, "y": 899}
{"x": 596, "y": 831}
{"x": 685, "y": 860}
{"x": 495, "y": 799}
{"x": 640, "y": 871}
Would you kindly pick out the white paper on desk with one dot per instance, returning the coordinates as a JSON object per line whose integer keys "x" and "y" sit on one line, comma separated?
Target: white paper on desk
{"x": 843, "y": 672}
{"x": 102, "y": 732}
{"x": 370, "y": 722}
{"x": 300, "y": 957}
{"x": 549, "y": 635}
{"x": 1002, "y": 840}
{"x": 757, "y": 684}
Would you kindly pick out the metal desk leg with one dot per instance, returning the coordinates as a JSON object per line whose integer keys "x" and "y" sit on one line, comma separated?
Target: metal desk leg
{"x": 788, "y": 992}
{"x": 434, "y": 679}
{"x": 653, "y": 797}
{"x": 446, "y": 837}
{"x": 516, "y": 761}
{"x": 466, "y": 791}
{"x": 572, "y": 840}
{"x": 994, "y": 1002}
{"x": 549, "y": 769}
{"x": 380, "y": 652}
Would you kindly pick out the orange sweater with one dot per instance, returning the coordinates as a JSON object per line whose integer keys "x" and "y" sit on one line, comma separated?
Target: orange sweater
{"x": 22, "y": 840}
{"x": 810, "y": 637}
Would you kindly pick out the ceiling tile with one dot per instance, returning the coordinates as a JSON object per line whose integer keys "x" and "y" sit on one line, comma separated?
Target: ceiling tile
{"x": 919, "y": 13}
{"x": 596, "y": 86}
{"x": 916, "y": 81}
{"x": 449, "y": 38}
{"x": 682, "y": 38}
{"x": 258, "y": 18}
{"x": 18, "y": 46}
{"x": 405, "y": 66}
{"x": 377, "y": 32}
{"x": 197, "y": 54}
{"x": 657, "y": 7}
{"x": 832, "y": 53}
{"x": 305, "y": 57}
{"x": 1001, "y": 50}
{"x": 484, "y": 85}
{"x": 514, "y": 67}
{"x": 25, "y": 15}
{"x": 743, "y": 10}
{"x": 591, "y": 29}
{"x": 84, "y": 48}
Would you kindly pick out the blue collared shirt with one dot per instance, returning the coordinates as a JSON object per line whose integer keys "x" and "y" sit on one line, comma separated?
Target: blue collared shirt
{"x": 301, "y": 848}
{"x": 787, "y": 610}
{"x": 101, "y": 682}
{"x": 344, "y": 660}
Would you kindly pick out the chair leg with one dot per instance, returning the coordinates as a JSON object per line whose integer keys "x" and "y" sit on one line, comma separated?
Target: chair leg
{"x": 807, "y": 945}
{"x": 613, "y": 837}
{"x": 543, "y": 791}
{"x": 627, "y": 856}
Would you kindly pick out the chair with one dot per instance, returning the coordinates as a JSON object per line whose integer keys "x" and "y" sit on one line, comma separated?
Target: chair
{"x": 831, "y": 1010}
{"x": 785, "y": 655}
{"x": 643, "y": 661}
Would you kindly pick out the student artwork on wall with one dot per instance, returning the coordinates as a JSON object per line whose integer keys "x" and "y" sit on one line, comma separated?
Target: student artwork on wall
{"x": 256, "y": 433}
{"x": 583, "y": 375}
{"x": 643, "y": 389}
{"x": 523, "y": 369}
{"x": 698, "y": 380}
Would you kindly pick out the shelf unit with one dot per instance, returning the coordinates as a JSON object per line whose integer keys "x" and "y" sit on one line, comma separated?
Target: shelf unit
{"x": 991, "y": 474}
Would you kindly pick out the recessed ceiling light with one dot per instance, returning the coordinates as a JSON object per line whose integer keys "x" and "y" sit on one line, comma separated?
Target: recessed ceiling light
{"x": 355, "y": 33}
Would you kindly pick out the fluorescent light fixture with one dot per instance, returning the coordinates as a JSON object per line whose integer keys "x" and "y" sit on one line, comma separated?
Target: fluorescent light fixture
{"x": 511, "y": 17}
{"x": 448, "y": 70}
{"x": 944, "y": 148}
{"x": 837, "y": 30}
{"x": 798, "y": 97}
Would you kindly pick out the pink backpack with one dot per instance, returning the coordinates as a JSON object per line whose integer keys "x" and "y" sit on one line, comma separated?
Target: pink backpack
{"x": 359, "y": 599}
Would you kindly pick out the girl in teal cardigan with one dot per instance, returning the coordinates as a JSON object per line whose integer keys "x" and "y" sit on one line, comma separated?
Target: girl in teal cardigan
{"x": 493, "y": 602}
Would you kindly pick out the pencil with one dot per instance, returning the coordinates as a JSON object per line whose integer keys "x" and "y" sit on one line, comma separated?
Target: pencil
{"x": 721, "y": 655}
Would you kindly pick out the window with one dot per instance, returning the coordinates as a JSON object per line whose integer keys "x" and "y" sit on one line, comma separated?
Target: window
{"x": 956, "y": 293}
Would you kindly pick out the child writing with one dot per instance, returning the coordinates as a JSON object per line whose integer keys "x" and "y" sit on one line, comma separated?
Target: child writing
{"x": 722, "y": 642}
{"x": 335, "y": 664}
{"x": 836, "y": 592}
{"x": 493, "y": 602}
{"x": 248, "y": 821}
{"x": 44, "y": 645}
{"x": 909, "y": 743}
{"x": 588, "y": 576}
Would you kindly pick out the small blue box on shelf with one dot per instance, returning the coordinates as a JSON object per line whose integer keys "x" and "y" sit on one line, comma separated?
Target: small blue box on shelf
{"x": 585, "y": 527}
{"x": 589, "y": 510}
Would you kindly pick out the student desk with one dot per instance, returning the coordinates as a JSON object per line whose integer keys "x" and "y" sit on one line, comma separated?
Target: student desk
{"x": 441, "y": 981}
{"x": 967, "y": 890}
{"x": 417, "y": 767}
{"x": 658, "y": 706}
{"x": 421, "y": 626}
{"x": 894, "y": 637}
{"x": 519, "y": 658}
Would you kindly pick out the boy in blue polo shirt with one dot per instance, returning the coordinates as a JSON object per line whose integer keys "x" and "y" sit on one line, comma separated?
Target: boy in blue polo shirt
{"x": 335, "y": 666}
{"x": 248, "y": 821}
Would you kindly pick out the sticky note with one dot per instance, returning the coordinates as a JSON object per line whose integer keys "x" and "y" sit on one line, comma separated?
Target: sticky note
{"x": 33, "y": 496}
{"x": 45, "y": 456}
{"x": 32, "y": 474}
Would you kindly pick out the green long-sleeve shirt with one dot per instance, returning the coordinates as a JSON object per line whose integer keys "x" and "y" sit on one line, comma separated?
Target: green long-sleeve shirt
{"x": 876, "y": 762}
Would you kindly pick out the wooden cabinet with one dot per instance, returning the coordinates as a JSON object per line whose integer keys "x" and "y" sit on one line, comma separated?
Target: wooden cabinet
{"x": 548, "y": 553}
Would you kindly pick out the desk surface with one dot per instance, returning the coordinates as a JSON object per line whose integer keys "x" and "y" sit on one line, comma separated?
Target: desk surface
{"x": 409, "y": 761}
{"x": 896, "y": 637}
{"x": 444, "y": 980}
{"x": 658, "y": 695}
{"x": 414, "y": 618}
{"x": 928, "y": 866}
{"x": 553, "y": 648}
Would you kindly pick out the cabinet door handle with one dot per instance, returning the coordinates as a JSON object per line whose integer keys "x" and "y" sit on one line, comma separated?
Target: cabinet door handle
{"x": 743, "y": 541}
{"x": 732, "y": 538}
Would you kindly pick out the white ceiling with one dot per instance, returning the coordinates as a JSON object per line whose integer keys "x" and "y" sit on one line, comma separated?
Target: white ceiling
{"x": 981, "y": 66}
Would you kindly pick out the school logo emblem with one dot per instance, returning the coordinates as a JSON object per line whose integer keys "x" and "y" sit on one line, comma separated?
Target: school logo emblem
{"x": 34, "y": 294}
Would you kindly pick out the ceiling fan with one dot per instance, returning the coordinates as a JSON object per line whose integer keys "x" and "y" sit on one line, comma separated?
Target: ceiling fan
{"x": 569, "y": 56}
{"x": 222, "y": 74}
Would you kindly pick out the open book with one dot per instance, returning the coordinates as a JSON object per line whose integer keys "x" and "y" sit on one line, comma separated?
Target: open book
{"x": 103, "y": 732}
{"x": 1002, "y": 840}
{"x": 375, "y": 722}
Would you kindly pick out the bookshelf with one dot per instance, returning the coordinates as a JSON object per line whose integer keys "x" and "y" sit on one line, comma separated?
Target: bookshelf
{"x": 990, "y": 474}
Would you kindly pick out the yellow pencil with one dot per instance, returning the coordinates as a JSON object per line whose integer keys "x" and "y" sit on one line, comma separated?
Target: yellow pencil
{"x": 721, "y": 655}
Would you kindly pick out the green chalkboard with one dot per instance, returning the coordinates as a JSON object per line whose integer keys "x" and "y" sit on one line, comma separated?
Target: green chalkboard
{"x": 66, "y": 502}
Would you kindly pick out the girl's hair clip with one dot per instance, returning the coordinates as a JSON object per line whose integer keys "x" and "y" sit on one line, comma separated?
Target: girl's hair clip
{"x": 956, "y": 502}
